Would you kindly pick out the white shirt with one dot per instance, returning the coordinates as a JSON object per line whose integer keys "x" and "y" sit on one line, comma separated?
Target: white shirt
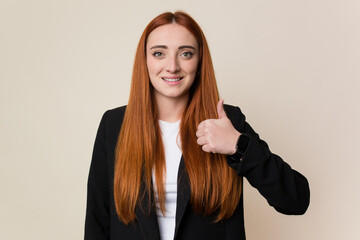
{"x": 171, "y": 141}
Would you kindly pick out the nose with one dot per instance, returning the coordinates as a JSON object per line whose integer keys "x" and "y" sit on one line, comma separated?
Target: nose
{"x": 172, "y": 65}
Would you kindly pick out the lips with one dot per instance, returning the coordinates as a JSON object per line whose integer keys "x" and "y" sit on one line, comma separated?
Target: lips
{"x": 172, "y": 79}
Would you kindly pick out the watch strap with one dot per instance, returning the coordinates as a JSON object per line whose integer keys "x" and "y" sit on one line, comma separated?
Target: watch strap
{"x": 240, "y": 146}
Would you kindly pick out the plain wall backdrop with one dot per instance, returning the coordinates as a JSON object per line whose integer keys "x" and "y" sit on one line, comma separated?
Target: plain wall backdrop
{"x": 292, "y": 66}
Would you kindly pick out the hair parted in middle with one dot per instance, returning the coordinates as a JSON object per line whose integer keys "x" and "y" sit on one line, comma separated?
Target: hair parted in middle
{"x": 215, "y": 187}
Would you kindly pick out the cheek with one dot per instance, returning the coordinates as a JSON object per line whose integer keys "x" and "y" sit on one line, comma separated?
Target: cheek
{"x": 192, "y": 66}
{"x": 153, "y": 66}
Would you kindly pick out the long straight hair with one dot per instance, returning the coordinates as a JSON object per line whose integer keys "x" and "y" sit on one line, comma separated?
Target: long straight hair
{"x": 215, "y": 188}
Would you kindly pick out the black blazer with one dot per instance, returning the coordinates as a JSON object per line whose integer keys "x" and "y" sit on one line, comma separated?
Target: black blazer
{"x": 284, "y": 188}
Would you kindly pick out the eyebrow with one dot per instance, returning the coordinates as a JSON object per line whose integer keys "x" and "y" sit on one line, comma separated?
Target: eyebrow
{"x": 165, "y": 47}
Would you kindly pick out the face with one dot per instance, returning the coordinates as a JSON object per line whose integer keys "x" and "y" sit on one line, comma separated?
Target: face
{"x": 172, "y": 56}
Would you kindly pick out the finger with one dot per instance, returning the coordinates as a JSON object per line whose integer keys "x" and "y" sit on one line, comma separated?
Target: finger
{"x": 203, "y": 124}
{"x": 220, "y": 109}
{"x": 205, "y": 148}
{"x": 200, "y": 132}
{"x": 202, "y": 141}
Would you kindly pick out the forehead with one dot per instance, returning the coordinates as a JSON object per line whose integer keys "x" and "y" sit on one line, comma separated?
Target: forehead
{"x": 171, "y": 35}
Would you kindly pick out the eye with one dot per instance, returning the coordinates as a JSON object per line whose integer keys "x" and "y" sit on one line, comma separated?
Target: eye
{"x": 187, "y": 54}
{"x": 157, "y": 54}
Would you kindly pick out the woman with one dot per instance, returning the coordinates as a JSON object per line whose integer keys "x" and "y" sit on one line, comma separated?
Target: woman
{"x": 169, "y": 165}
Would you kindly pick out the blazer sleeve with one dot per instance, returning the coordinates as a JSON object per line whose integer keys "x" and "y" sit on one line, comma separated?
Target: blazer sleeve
{"x": 97, "y": 220}
{"x": 283, "y": 187}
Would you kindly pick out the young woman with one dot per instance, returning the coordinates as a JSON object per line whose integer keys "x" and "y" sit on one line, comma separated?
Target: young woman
{"x": 170, "y": 164}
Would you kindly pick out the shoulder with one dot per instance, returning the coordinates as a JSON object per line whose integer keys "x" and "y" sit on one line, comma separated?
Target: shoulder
{"x": 115, "y": 113}
{"x": 112, "y": 120}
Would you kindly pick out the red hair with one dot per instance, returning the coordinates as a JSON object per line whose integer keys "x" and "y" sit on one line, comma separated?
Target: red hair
{"x": 214, "y": 185}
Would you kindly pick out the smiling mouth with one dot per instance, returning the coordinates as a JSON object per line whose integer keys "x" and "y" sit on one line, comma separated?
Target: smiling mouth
{"x": 172, "y": 79}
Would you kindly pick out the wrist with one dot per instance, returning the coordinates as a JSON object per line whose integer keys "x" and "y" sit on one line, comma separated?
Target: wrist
{"x": 240, "y": 147}
{"x": 236, "y": 139}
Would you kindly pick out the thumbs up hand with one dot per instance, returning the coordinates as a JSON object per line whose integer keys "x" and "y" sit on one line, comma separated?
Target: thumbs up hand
{"x": 218, "y": 135}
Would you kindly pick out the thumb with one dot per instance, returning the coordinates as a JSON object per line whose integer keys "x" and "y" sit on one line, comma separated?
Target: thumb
{"x": 220, "y": 109}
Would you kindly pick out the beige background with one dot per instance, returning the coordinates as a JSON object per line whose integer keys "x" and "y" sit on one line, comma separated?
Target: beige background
{"x": 292, "y": 66}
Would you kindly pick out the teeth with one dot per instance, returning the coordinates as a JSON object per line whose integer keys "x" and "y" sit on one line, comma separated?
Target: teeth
{"x": 172, "y": 79}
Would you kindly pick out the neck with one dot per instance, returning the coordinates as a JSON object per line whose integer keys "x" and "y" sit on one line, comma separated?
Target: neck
{"x": 170, "y": 110}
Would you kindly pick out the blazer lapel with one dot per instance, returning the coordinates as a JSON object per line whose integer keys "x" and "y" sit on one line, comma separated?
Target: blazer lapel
{"x": 183, "y": 195}
{"x": 148, "y": 224}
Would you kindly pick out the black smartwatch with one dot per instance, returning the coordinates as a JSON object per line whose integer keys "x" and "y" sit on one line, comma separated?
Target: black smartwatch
{"x": 241, "y": 146}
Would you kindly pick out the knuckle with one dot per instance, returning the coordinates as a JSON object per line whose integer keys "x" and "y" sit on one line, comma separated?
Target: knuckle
{"x": 210, "y": 145}
{"x": 204, "y": 148}
{"x": 206, "y": 130}
{"x": 207, "y": 122}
